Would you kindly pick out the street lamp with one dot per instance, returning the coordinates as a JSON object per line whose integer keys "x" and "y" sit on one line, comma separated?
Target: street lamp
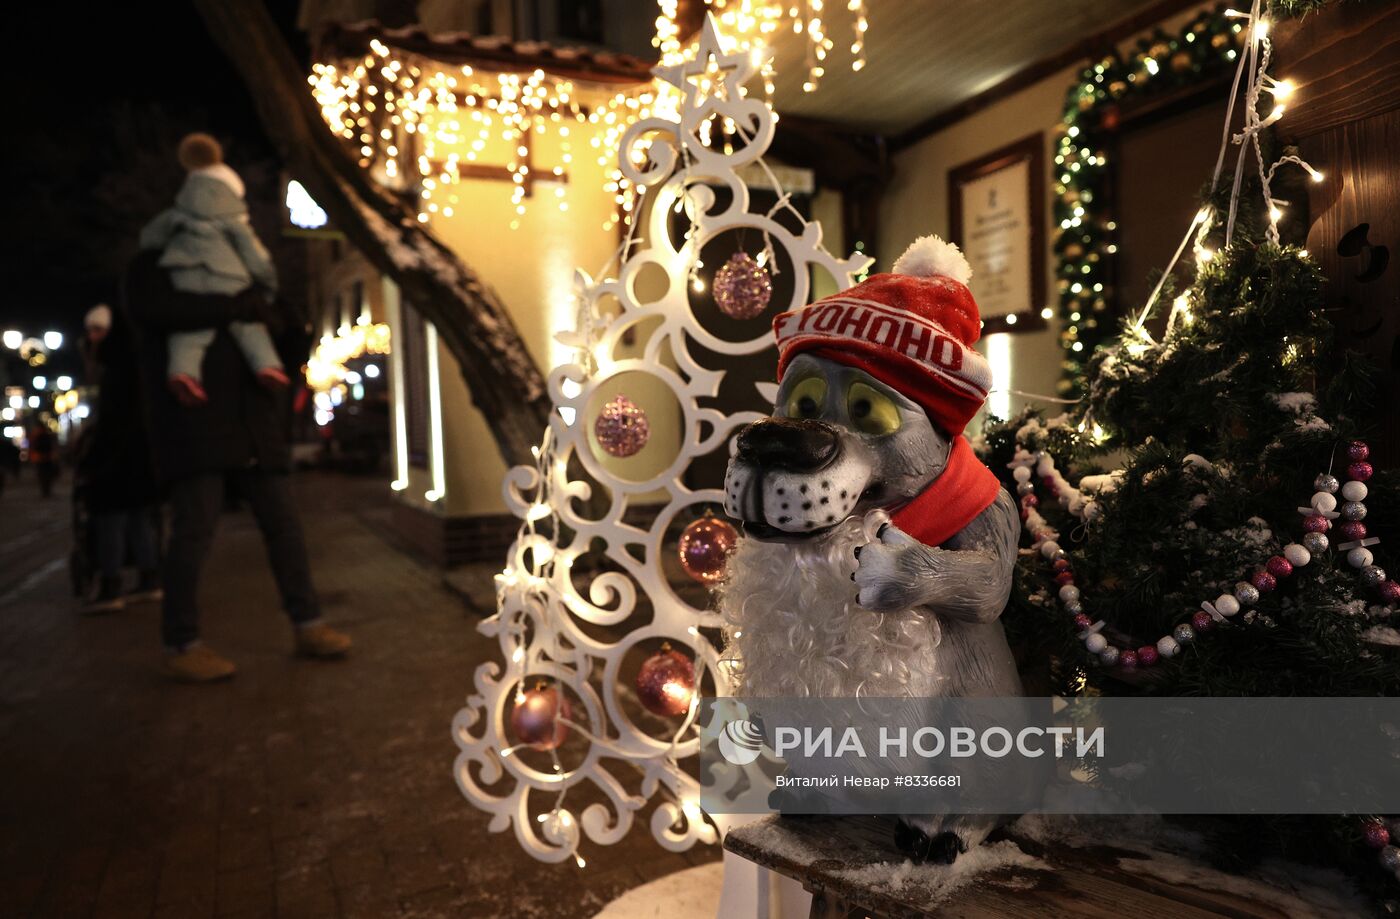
{"x": 53, "y": 340}
{"x": 13, "y": 338}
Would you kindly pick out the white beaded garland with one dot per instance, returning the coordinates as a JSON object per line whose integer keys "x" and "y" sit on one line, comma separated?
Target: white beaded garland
{"x": 1354, "y": 491}
{"x": 1297, "y": 555}
{"x": 1095, "y": 643}
{"x": 1323, "y": 503}
{"x": 1227, "y": 605}
{"x": 1049, "y": 548}
{"x": 1360, "y": 557}
{"x": 1069, "y": 593}
{"x": 1167, "y": 646}
{"x": 1021, "y": 473}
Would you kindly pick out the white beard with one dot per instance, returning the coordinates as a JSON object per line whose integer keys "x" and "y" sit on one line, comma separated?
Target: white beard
{"x": 795, "y": 630}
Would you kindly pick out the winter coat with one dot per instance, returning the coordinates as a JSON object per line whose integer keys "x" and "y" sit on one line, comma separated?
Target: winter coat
{"x": 207, "y": 242}
{"x": 243, "y": 424}
{"x": 114, "y": 469}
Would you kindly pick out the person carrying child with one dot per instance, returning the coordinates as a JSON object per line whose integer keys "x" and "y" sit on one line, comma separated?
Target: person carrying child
{"x": 207, "y": 243}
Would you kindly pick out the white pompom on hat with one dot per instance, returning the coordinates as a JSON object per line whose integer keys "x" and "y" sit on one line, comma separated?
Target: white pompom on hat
{"x": 930, "y": 256}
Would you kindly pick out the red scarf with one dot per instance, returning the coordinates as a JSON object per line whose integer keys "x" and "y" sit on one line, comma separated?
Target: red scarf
{"x": 964, "y": 489}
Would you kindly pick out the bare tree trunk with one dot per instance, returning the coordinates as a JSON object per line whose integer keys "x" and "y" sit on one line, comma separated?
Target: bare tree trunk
{"x": 503, "y": 380}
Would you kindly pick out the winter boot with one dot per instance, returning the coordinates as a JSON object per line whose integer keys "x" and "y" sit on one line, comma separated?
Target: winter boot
{"x": 106, "y": 597}
{"x": 188, "y": 390}
{"x": 198, "y": 663}
{"x": 316, "y": 639}
{"x": 148, "y": 589}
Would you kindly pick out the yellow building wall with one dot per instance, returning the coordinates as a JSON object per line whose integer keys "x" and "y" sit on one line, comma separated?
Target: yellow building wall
{"x": 916, "y": 204}
{"x": 531, "y": 268}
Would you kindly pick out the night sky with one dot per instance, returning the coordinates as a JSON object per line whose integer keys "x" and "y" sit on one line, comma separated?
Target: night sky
{"x": 106, "y": 91}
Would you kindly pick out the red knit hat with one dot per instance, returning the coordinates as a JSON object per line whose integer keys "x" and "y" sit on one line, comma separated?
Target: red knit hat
{"x": 912, "y": 329}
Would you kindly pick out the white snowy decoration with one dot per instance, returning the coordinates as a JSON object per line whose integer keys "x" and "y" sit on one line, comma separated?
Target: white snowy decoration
{"x": 575, "y": 641}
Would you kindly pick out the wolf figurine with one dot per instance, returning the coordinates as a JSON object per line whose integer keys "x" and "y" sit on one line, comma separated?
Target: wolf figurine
{"x": 876, "y": 385}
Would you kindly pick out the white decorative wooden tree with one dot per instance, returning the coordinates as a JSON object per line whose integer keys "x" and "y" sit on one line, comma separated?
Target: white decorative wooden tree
{"x": 548, "y": 629}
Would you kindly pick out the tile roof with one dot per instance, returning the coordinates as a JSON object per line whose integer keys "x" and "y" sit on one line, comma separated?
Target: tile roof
{"x": 487, "y": 52}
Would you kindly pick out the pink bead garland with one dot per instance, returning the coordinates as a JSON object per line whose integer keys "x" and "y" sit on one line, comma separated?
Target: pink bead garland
{"x": 1317, "y": 518}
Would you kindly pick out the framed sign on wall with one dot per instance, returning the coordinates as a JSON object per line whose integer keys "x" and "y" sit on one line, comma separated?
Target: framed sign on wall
{"x": 996, "y": 214}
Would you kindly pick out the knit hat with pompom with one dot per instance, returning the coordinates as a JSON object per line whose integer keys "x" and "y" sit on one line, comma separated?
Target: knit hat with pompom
{"x": 912, "y": 329}
{"x": 199, "y": 151}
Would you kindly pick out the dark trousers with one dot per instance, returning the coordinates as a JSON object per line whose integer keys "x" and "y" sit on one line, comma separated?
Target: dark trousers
{"x": 195, "y": 503}
{"x": 125, "y": 533}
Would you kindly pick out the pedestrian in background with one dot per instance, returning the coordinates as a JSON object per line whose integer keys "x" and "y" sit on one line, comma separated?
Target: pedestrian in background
{"x": 239, "y": 433}
{"x": 113, "y": 478}
{"x": 43, "y": 454}
{"x": 9, "y": 462}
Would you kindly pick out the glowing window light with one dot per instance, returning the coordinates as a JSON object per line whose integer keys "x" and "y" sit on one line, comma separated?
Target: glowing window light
{"x": 999, "y": 357}
{"x": 439, "y": 463}
{"x": 304, "y": 210}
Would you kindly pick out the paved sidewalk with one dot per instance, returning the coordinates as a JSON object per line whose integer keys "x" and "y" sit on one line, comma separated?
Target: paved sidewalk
{"x": 297, "y": 789}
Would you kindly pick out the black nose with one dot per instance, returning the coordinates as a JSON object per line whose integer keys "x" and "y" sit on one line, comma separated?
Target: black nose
{"x": 789, "y": 444}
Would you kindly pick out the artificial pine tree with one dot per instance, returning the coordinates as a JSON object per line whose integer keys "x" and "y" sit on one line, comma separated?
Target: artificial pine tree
{"x": 1206, "y": 445}
{"x": 1218, "y": 432}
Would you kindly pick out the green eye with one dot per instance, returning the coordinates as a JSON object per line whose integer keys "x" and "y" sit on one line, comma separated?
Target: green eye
{"x": 806, "y": 399}
{"x": 872, "y": 412}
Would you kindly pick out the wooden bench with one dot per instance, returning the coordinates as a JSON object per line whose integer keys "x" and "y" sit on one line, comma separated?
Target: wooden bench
{"x": 852, "y": 869}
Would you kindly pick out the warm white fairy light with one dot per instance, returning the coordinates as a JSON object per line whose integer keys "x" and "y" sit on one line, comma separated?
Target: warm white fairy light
{"x": 1253, "y": 70}
{"x": 414, "y": 117}
{"x": 418, "y": 122}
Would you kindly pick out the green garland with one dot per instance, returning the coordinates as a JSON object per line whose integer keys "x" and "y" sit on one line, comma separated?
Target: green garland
{"x": 1084, "y": 246}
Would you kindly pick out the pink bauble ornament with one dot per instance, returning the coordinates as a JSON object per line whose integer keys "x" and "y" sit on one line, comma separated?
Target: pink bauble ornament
{"x": 1360, "y": 471}
{"x": 666, "y": 683}
{"x": 1064, "y": 577}
{"x": 1201, "y": 620}
{"x": 1263, "y": 581}
{"x": 1279, "y": 566}
{"x": 1353, "y": 531}
{"x": 1128, "y": 660}
{"x": 1357, "y": 451}
{"x": 1389, "y": 591}
{"x": 742, "y": 287}
{"x": 1082, "y": 621}
{"x": 1147, "y": 655}
{"x": 622, "y": 427}
{"x": 535, "y": 718}
{"x": 1316, "y": 523}
{"x": 704, "y": 548}
{"x": 1376, "y": 835}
